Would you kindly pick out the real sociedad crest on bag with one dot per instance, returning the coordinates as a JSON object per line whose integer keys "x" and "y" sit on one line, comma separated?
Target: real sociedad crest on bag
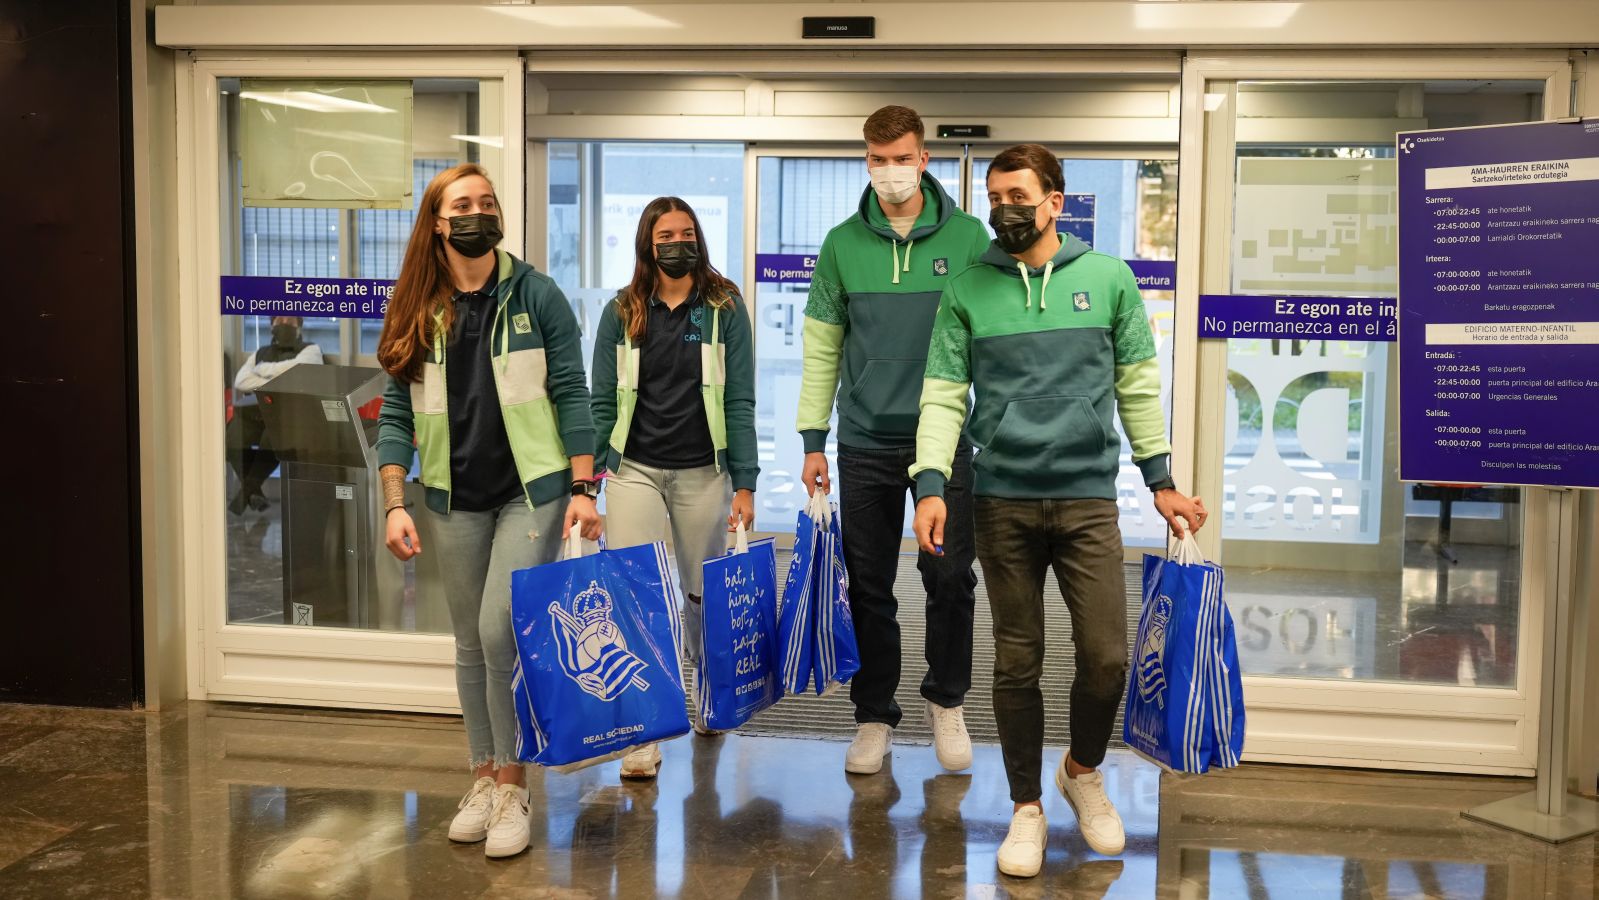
{"x": 1151, "y": 674}
{"x": 592, "y": 651}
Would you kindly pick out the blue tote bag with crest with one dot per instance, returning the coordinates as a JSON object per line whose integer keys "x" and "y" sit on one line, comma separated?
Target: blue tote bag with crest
{"x": 597, "y": 669}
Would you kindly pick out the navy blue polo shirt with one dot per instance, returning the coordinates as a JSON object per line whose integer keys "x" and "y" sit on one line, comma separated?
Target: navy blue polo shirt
{"x": 669, "y": 429}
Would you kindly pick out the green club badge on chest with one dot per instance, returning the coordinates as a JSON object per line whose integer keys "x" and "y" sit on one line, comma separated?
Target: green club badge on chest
{"x": 1080, "y": 301}
{"x": 522, "y": 323}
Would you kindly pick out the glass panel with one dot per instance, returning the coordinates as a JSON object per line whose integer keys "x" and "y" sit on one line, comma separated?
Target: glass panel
{"x": 1334, "y": 568}
{"x": 597, "y": 191}
{"x": 800, "y": 200}
{"x": 1135, "y": 217}
{"x": 303, "y": 524}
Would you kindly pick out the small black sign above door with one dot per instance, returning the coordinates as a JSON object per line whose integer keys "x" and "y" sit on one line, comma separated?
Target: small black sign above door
{"x": 839, "y": 27}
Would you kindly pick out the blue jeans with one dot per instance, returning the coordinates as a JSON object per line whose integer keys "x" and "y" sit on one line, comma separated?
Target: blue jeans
{"x": 477, "y": 552}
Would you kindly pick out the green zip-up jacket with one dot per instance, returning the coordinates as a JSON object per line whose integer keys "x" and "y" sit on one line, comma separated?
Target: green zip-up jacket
{"x": 867, "y": 324}
{"x": 727, "y": 385}
{"x": 1047, "y": 353}
{"x": 538, "y": 370}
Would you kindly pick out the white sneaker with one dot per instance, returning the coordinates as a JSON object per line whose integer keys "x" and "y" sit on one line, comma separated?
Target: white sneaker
{"x": 950, "y": 741}
{"x": 865, "y": 754}
{"x": 508, "y": 834}
{"x": 1022, "y": 853}
{"x": 642, "y": 762}
{"x": 1098, "y": 820}
{"x": 471, "y": 824}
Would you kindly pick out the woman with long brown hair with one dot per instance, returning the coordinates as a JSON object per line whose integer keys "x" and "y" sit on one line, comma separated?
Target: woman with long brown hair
{"x": 674, "y": 411}
{"x": 487, "y": 387}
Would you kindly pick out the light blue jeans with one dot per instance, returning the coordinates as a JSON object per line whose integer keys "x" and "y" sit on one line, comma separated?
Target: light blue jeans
{"x": 477, "y": 552}
{"x": 642, "y": 503}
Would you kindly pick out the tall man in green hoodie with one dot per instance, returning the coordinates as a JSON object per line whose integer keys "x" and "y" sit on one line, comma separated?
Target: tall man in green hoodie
{"x": 866, "y": 330}
{"x": 1051, "y": 337}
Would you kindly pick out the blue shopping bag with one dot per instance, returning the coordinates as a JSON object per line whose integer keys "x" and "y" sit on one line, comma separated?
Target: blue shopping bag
{"x": 1185, "y": 705}
{"x": 837, "y": 658}
{"x": 597, "y": 668}
{"x": 738, "y": 672}
{"x": 796, "y": 613}
{"x": 815, "y": 629}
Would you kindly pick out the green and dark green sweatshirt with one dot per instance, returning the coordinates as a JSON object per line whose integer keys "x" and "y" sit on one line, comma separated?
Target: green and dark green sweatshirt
{"x": 870, "y": 314}
{"x": 537, "y": 359}
{"x": 727, "y": 386}
{"x": 1050, "y": 353}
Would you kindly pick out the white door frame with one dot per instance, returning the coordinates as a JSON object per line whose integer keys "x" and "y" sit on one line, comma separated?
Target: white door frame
{"x": 321, "y": 666}
{"x": 1387, "y": 725}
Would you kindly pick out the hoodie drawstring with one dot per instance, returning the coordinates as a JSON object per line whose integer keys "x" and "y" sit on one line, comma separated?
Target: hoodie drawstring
{"x": 1043, "y": 290}
{"x": 896, "y": 267}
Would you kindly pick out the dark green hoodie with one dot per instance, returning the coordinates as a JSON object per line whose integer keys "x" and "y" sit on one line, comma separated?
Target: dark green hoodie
{"x": 870, "y": 314}
{"x": 1048, "y": 353}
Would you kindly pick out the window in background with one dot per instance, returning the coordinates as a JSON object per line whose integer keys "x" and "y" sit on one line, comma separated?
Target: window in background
{"x": 297, "y": 554}
{"x": 598, "y": 190}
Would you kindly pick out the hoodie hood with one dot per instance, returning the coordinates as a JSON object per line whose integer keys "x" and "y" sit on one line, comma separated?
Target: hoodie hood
{"x": 937, "y": 208}
{"x": 1071, "y": 247}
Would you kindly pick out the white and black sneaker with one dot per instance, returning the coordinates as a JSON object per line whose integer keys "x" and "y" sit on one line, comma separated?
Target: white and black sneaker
{"x": 508, "y": 822}
{"x": 471, "y": 824}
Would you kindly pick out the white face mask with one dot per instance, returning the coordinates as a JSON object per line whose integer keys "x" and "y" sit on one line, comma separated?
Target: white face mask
{"x": 895, "y": 184}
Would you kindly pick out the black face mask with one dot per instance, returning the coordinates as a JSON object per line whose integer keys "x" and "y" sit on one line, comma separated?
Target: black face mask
{"x": 677, "y": 258}
{"x": 1015, "y": 225}
{"x": 474, "y": 234}
{"x": 285, "y": 335}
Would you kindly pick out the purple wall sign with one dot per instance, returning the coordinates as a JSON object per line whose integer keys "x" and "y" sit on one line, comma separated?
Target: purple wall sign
{"x": 795, "y": 268}
{"x": 340, "y": 298}
{"x": 1499, "y": 304}
{"x": 1077, "y": 215}
{"x": 1154, "y": 274}
{"x": 784, "y": 268}
{"x": 1297, "y": 318}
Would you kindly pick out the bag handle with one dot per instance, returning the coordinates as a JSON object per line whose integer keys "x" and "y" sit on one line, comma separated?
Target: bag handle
{"x": 820, "y": 511}
{"x": 1184, "y": 550}
{"x": 573, "y": 548}
{"x": 741, "y": 538}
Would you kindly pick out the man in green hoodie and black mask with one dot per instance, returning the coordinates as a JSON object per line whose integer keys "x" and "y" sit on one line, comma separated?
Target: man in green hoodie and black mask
{"x": 1050, "y": 338}
{"x": 870, "y": 311}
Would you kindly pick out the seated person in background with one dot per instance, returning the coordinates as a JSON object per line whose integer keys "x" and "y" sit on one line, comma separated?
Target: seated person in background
{"x": 252, "y": 460}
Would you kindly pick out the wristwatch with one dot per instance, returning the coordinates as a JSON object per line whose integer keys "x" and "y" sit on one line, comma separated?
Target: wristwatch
{"x": 586, "y": 488}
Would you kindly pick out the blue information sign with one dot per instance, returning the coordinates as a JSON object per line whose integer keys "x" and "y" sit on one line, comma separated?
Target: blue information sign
{"x": 1154, "y": 274}
{"x": 341, "y": 298}
{"x": 1296, "y": 318}
{"x": 784, "y": 268}
{"x": 1499, "y": 304}
{"x": 1077, "y": 217}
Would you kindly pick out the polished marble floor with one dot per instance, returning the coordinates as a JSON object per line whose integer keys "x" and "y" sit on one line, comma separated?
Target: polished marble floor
{"x": 215, "y": 801}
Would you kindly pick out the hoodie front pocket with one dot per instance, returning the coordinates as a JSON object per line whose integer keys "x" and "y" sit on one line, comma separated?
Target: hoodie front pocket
{"x": 1042, "y": 434}
{"x": 885, "y": 399}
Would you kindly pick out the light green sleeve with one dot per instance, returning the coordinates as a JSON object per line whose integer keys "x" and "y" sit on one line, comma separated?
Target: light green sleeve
{"x": 945, "y": 392}
{"x": 826, "y": 312}
{"x": 1138, "y": 402}
{"x": 1138, "y": 384}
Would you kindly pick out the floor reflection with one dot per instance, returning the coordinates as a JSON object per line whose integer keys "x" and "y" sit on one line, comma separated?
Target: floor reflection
{"x": 228, "y": 801}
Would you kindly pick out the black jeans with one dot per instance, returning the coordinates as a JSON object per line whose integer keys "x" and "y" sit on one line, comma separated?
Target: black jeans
{"x": 872, "y": 486}
{"x": 1018, "y": 542}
